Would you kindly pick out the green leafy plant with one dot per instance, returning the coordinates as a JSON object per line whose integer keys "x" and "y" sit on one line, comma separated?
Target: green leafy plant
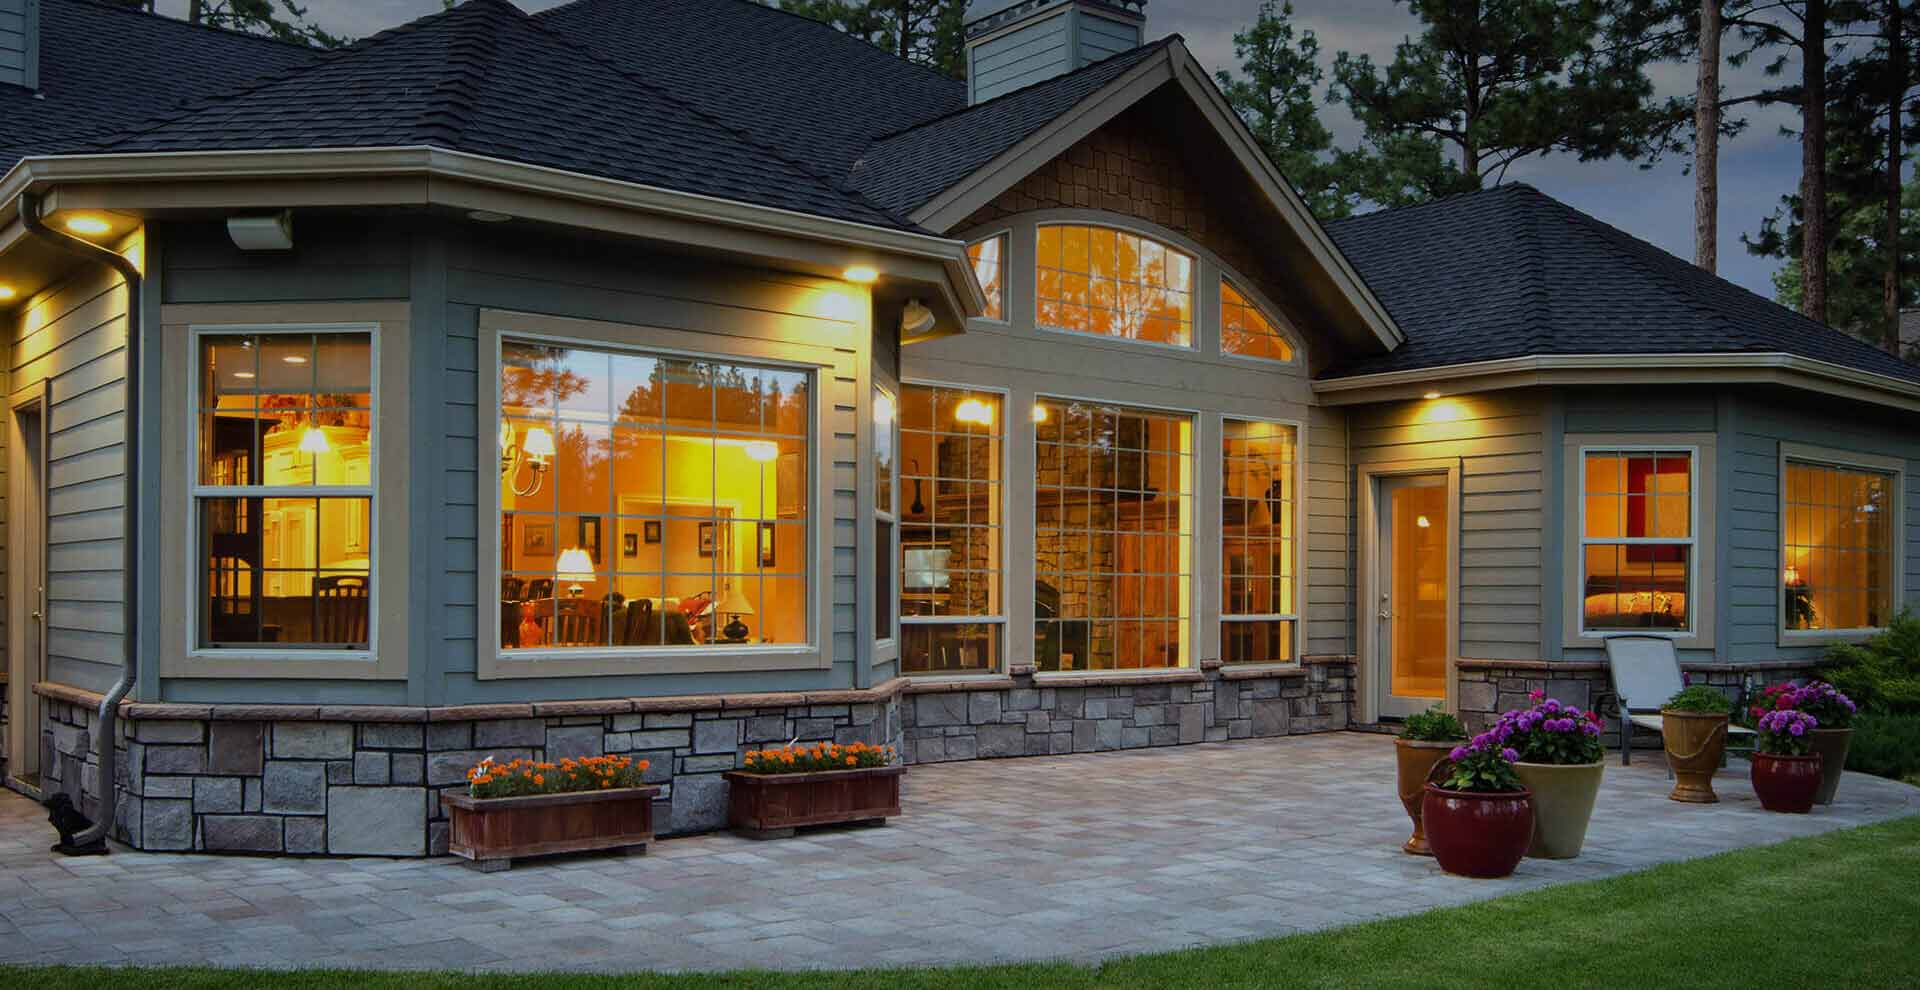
{"x": 1883, "y": 673}
{"x": 1885, "y": 745}
{"x": 1436, "y": 724}
{"x": 1699, "y": 699}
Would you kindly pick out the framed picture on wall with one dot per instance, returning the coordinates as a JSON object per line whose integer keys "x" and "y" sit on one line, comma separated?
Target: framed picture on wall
{"x": 630, "y": 544}
{"x": 650, "y": 531}
{"x": 768, "y": 552}
{"x": 536, "y": 538}
{"x": 707, "y": 539}
{"x": 588, "y": 536}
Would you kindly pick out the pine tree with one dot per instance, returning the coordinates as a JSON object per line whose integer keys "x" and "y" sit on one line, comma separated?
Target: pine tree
{"x": 930, "y": 32}
{"x": 1277, "y": 99}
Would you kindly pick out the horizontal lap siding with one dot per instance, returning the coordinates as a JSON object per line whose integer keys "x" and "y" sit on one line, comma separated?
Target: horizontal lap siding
{"x": 1329, "y": 537}
{"x": 1752, "y": 561}
{"x": 70, "y": 346}
{"x": 1019, "y": 58}
{"x": 591, "y": 282}
{"x": 1498, "y": 440}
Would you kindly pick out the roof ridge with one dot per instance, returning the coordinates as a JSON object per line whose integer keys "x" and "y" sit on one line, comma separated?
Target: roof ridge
{"x": 122, "y": 8}
{"x": 828, "y": 182}
{"x": 969, "y": 108}
{"x": 460, "y": 86}
{"x": 769, "y": 8}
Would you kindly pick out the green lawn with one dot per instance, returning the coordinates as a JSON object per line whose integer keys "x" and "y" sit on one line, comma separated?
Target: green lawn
{"x": 1838, "y": 910}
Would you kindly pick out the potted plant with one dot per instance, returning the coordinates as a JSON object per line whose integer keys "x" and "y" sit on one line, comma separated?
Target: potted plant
{"x": 1693, "y": 728}
{"x": 1786, "y": 771}
{"x": 531, "y": 808}
{"x": 779, "y": 790}
{"x": 1424, "y": 741}
{"x": 1561, "y": 762}
{"x": 1478, "y": 815}
{"x": 1832, "y": 710}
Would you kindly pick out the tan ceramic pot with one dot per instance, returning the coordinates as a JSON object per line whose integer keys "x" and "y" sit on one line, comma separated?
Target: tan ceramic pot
{"x": 1415, "y": 760}
{"x": 1695, "y": 743}
{"x": 1832, "y": 745}
{"x": 1563, "y": 799}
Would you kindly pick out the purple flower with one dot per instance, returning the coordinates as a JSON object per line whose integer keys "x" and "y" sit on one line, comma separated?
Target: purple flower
{"x": 1510, "y": 755}
{"x": 1798, "y": 728}
{"x": 1551, "y": 705}
{"x": 1459, "y": 753}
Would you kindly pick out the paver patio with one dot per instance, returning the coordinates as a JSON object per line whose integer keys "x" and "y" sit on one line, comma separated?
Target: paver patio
{"x": 1066, "y": 857}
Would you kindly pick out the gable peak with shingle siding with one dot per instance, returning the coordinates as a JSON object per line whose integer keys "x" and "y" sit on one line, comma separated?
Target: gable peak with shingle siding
{"x": 1510, "y": 272}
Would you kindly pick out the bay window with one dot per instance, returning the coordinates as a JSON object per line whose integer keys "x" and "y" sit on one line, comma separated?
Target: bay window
{"x": 283, "y": 493}
{"x": 950, "y": 543}
{"x": 1113, "y": 283}
{"x": 1113, "y": 537}
{"x": 1839, "y": 545}
{"x": 651, "y": 500}
{"x": 1637, "y": 540}
{"x": 1259, "y": 516}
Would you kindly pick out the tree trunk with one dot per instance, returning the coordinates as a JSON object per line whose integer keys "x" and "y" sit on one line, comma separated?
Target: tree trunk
{"x": 196, "y": 14}
{"x": 1813, "y": 162}
{"x": 1706, "y": 142}
{"x": 1896, "y": 93}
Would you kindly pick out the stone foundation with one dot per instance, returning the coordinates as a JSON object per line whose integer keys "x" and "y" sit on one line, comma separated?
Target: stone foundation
{"x": 1027, "y": 716}
{"x": 1485, "y": 688}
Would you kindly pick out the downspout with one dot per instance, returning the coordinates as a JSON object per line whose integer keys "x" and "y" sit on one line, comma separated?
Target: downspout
{"x": 92, "y": 841}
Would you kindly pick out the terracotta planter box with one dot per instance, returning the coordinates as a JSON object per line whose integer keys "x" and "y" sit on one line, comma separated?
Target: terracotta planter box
{"x": 1695, "y": 742}
{"x": 493, "y": 832}
{"x": 771, "y": 806}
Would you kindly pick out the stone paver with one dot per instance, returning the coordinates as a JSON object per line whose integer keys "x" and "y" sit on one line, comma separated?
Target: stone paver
{"x": 1077, "y": 857}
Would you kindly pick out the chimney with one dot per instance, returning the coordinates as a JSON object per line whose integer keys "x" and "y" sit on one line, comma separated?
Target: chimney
{"x": 1012, "y": 44}
{"x": 20, "y": 43}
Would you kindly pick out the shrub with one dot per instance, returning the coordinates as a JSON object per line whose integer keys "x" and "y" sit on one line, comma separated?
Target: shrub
{"x": 1885, "y": 745}
{"x": 1550, "y": 732}
{"x": 520, "y": 778}
{"x": 811, "y": 757}
{"x": 1882, "y": 674}
{"x": 1699, "y": 698}
{"x": 1435, "y": 724}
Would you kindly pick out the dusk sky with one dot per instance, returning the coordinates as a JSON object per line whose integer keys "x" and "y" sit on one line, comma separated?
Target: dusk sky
{"x": 1756, "y": 169}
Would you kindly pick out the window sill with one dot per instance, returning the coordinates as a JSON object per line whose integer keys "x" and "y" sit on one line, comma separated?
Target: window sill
{"x": 628, "y": 663}
{"x": 284, "y": 665}
{"x": 1254, "y": 671}
{"x": 1826, "y": 637}
{"x": 1061, "y": 678}
{"x": 934, "y": 683}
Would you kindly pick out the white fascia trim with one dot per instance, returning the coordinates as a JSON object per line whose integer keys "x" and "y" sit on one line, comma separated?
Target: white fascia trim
{"x": 1675, "y": 367}
{"x": 434, "y": 162}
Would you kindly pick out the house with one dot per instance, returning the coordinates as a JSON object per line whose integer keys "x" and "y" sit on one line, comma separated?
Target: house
{"x": 675, "y": 377}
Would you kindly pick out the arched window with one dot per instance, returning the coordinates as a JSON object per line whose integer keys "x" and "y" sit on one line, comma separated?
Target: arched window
{"x": 1113, "y": 283}
{"x": 1246, "y": 330}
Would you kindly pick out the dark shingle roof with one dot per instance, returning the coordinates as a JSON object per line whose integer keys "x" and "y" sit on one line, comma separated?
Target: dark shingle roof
{"x": 907, "y": 169}
{"x": 1512, "y": 272}
{"x": 104, "y": 68}
{"x": 487, "y": 79}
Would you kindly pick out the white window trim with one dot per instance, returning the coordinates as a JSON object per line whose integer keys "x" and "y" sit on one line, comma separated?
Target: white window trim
{"x": 1845, "y": 459}
{"x": 821, "y": 364}
{"x": 197, "y": 491}
{"x": 1260, "y": 304}
{"x": 886, "y": 642}
{"x": 999, "y": 618}
{"x": 1298, "y": 537}
{"x": 1196, "y": 419}
{"x": 1005, "y": 234}
{"x": 1199, "y": 272}
{"x": 1702, "y": 481}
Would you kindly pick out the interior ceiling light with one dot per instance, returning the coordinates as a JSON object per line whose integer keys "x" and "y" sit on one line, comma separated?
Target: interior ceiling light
{"x": 762, "y": 450}
{"x": 974, "y": 411}
{"x": 88, "y": 224}
{"x": 295, "y": 359}
{"x": 7, "y": 292}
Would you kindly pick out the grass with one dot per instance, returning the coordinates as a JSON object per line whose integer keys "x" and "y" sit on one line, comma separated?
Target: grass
{"x": 1834, "y": 910}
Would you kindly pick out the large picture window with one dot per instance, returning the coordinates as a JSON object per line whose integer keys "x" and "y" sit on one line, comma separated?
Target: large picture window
{"x": 1246, "y": 330}
{"x": 1259, "y": 527}
{"x": 651, "y": 501}
{"x": 950, "y": 544}
{"x": 1839, "y": 547}
{"x": 1637, "y": 539}
{"x": 1113, "y": 537}
{"x": 283, "y": 499}
{"x": 1112, "y": 283}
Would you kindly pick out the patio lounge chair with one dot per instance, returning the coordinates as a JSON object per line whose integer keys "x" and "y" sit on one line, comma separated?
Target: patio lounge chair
{"x": 1645, "y": 673}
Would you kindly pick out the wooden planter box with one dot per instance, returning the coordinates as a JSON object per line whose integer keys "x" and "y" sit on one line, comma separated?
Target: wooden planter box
{"x": 771, "y": 806}
{"x": 493, "y": 832}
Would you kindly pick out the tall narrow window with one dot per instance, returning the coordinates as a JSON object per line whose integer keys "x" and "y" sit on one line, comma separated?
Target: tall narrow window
{"x": 989, "y": 269}
{"x": 1637, "y": 539}
{"x": 1246, "y": 330}
{"x": 651, "y": 501}
{"x": 1258, "y": 530}
{"x": 1113, "y": 537}
{"x": 886, "y": 517}
{"x": 1112, "y": 283}
{"x": 950, "y": 539}
{"x": 284, "y": 499}
{"x": 1839, "y": 548}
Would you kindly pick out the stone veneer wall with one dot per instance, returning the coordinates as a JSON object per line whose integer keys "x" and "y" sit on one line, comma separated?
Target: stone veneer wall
{"x": 1485, "y": 688}
{"x": 316, "y": 780}
{"x": 1019, "y": 716}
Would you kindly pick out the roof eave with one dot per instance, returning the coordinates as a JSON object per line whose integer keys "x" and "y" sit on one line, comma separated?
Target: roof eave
{"x": 1776, "y": 368}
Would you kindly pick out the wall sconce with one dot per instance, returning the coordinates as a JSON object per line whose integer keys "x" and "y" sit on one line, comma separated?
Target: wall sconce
{"x": 536, "y": 453}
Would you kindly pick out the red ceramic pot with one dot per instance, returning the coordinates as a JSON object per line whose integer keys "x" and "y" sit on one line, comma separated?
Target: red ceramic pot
{"x": 1787, "y": 783}
{"x": 1478, "y": 834}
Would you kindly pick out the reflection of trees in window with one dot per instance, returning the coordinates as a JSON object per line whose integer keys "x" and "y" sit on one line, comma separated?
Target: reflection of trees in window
{"x": 1113, "y": 283}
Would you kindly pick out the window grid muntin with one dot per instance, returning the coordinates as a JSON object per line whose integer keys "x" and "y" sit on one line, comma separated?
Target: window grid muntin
{"x": 1688, "y": 545}
{"x": 1241, "y": 315}
{"x": 1057, "y": 289}
{"x": 1055, "y": 440}
{"x": 769, "y": 584}
{"x": 929, "y": 419}
{"x": 1805, "y": 500}
{"x": 1281, "y": 463}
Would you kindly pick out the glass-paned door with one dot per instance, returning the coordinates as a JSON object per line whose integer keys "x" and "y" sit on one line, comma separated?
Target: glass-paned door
{"x": 1414, "y": 593}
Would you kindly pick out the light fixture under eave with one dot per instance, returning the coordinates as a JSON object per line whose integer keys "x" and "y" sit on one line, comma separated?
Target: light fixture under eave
{"x": 488, "y": 216}
{"x": 88, "y": 224}
{"x": 762, "y": 450}
{"x": 974, "y": 411}
{"x": 862, "y": 273}
{"x": 7, "y": 292}
{"x": 314, "y": 441}
{"x": 1431, "y": 395}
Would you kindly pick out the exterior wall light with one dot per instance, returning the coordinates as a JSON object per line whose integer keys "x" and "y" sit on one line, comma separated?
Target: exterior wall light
{"x": 88, "y": 224}
{"x": 863, "y": 274}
